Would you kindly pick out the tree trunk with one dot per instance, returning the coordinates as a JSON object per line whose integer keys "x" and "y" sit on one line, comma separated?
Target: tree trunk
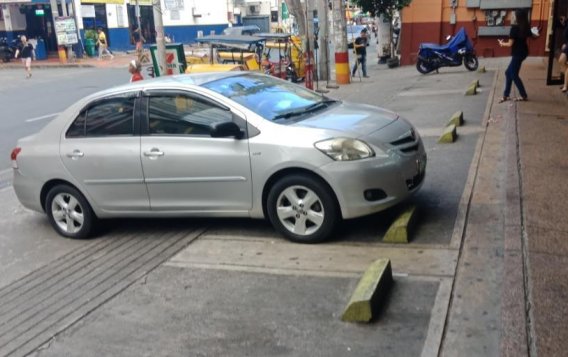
{"x": 296, "y": 8}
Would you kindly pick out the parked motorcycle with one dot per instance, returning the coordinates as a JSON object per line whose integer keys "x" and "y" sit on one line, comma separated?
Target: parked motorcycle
{"x": 6, "y": 51}
{"x": 458, "y": 50}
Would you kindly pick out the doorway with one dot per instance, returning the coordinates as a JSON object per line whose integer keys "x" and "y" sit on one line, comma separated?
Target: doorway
{"x": 146, "y": 22}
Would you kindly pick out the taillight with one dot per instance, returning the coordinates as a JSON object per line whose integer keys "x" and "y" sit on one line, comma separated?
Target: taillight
{"x": 14, "y": 156}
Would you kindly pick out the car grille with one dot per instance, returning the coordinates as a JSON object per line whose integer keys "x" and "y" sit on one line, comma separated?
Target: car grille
{"x": 415, "y": 181}
{"x": 406, "y": 144}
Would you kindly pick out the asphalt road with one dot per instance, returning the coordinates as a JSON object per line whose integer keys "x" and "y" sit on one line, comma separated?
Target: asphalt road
{"x": 26, "y": 105}
{"x": 237, "y": 288}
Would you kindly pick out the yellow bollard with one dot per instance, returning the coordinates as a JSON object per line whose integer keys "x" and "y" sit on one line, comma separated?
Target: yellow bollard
{"x": 62, "y": 54}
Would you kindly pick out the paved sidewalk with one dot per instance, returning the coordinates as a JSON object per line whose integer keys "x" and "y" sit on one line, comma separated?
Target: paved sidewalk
{"x": 509, "y": 294}
{"x": 542, "y": 134}
{"x": 121, "y": 60}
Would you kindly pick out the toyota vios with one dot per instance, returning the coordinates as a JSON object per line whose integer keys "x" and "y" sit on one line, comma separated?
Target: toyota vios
{"x": 234, "y": 144}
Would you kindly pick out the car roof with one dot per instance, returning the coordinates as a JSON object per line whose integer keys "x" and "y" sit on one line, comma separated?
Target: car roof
{"x": 194, "y": 79}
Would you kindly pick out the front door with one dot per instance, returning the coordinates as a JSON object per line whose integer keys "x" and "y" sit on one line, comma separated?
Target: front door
{"x": 101, "y": 150}
{"x": 186, "y": 169}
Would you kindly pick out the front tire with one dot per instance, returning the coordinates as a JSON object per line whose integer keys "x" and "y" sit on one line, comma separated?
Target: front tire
{"x": 423, "y": 67}
{"x": 69, "y": 212}
{"x": 470, "y": 62}
{"x": 302, "y": 208}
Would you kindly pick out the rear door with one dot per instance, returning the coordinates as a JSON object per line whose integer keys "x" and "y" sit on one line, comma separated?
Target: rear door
{"x": 185, "y": 168}
{"x": 101, "y": 150}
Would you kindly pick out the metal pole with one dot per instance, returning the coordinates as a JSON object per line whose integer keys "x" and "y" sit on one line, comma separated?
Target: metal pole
{"x": 160, "y": 43}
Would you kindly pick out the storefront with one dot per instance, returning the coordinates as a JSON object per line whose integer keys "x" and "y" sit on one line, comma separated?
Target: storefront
{"x": 555, "y": 39}
{"x": 145, "y": 15}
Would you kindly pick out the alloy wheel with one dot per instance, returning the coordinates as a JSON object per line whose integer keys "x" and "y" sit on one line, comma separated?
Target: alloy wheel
{"x": 67, "y": 213}
{"x": 300, "y": 210}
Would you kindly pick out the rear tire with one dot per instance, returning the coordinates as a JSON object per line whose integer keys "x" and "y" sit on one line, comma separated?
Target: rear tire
{"x": 302, "y": 208}
{"x": 423, "y": 67}
{"x": 470, "y": 62}
{"x": 69, "y": 212}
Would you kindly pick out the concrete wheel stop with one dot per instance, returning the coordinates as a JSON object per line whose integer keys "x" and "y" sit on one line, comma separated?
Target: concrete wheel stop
{"x": 370, "y": 291}
{"x": 472, "y": 89}
{"x": 449, "y": 135}
{"x": 400, "y": 229}
{"x": 456, "y": 119}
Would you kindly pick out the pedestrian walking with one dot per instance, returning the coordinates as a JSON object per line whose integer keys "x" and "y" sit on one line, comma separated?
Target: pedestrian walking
{"x": 520, "y": 32}
{"x": 360, "y": 47}
{"x": 134, "y": 67}
{"x": 26, "y": 52}
{"x": 103, "y": 44}
{"x": 563, "y": 59}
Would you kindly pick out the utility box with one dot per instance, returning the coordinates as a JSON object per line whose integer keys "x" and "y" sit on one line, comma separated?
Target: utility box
{"x": 175, "y": 59}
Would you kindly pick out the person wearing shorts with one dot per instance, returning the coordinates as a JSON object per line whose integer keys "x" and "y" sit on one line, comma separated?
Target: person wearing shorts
{"x": 25, "y": 52}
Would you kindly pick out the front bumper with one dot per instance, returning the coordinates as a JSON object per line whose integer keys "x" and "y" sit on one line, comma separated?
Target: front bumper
{"x": 398, "y": 176}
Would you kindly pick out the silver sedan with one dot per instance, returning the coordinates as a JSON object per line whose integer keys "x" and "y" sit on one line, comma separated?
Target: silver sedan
{"x": 234, "y": 144}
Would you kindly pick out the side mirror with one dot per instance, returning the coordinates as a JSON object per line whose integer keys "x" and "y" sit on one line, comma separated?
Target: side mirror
{"x": 226, "y": 129}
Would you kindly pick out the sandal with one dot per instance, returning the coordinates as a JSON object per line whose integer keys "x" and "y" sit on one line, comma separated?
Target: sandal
{"x": 521, "y": 99}
{"x": 503, "y": 99}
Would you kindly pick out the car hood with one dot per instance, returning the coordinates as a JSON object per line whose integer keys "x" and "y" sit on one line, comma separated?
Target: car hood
{"x": 350, "y": 118}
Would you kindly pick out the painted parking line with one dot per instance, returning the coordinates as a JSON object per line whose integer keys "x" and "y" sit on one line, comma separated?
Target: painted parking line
{"x": 41, "y": 117}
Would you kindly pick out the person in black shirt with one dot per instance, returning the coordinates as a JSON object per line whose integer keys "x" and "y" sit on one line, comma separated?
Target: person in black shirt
{"x": 520, "y": 31}
{"x": 26, "y": 52}
{"x": 360, "y": 47}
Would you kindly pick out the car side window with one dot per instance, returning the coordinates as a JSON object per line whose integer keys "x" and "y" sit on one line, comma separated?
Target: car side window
{"x": 179, "y": 114}
{"x": 108, "y": 117}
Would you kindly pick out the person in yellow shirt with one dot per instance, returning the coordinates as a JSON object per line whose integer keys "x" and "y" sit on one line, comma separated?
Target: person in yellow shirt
{"x": 103, "y": 44}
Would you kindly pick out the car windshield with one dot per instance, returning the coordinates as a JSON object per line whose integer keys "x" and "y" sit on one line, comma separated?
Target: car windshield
{"x": 272, "y": 98}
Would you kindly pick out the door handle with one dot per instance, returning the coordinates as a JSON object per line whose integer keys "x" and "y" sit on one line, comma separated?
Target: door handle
{"x": 153, "y": 153}
{"x": 76, "y": 154}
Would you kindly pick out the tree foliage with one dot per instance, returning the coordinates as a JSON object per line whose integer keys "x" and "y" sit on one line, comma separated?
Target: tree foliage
{"x": 382, "y": 7}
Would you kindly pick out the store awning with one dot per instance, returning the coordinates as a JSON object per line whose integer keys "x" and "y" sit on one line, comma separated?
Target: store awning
{"x": 116, "y": 2}
{"x": 505, "y": 4}
{"x": 499, "y": 4}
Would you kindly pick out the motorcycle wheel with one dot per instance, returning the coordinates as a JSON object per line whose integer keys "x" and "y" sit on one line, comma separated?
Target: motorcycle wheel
{"x": 423, "y": 67}
{"x": 470, "y": 62}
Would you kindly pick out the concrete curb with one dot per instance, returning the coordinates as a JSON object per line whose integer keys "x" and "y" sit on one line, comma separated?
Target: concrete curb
{"x": 449, "y": 135}
{"x": 44, "y": 66}
{"x": 456, "y": 119}
{"x": 370, "y": 290}
{"x": 399, "y": 231}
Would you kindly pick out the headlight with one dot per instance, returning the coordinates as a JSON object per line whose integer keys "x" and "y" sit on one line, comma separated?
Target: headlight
{"x": 345, "y": 149}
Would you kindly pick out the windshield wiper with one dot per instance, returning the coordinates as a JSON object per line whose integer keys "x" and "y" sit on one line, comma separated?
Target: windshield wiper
{"x": 310, "y": 108}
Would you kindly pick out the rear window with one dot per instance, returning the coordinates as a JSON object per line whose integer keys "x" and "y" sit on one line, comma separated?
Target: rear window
{"x": 107, "y": 117}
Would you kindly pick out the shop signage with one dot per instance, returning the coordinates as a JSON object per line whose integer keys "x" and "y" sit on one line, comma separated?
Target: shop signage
{"x": 142, "y": 2}
{"x": 66, "y": 31}
{"x": 88, "y": 11}
{"x": 117, "y": 2}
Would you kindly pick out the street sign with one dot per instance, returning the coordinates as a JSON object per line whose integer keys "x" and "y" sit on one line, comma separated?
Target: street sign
{"x": 66, "y": 31}
{"x": 175, "y": 59}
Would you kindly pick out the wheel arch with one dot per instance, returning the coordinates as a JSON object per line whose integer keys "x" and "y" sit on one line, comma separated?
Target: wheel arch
{"x": 51, "y": 184}
{"x": 291, "y": 171}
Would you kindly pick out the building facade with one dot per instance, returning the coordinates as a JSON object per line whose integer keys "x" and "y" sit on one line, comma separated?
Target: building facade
{"x": 484, "y": 20}
{"x": 184, "y": 20}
